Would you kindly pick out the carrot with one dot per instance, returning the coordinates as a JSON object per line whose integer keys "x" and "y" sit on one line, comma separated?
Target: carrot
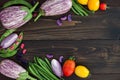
{"x": 69, "y": 67}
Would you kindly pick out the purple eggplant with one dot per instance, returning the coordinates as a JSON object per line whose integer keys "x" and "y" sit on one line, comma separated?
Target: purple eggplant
{"x": 54, "y": 7}
{"x": 12, "y": 70}
{"x": 16, "y": 16}
{"x": 8, "y": 41}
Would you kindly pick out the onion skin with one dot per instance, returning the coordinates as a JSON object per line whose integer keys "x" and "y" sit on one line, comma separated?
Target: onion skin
{"x": 8, "y": 41}
{"x": 56, "y": 7}
{"x": 12, "y": 17}
{"x": 56, "y": 67}
{"x": 11, "y": 69}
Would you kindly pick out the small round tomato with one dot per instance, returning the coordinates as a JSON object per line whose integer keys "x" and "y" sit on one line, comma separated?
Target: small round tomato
{"x": 103, "y": 6}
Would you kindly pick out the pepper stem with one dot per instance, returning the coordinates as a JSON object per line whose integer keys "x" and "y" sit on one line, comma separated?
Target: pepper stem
{"x": 34, "y": 7}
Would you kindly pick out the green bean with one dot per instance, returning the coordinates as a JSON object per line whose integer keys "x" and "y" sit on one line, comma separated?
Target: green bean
{"x": 35, "y": 72}
{"x": 79, "y": 12}
{"x": 9, "y": 54}
{"x": 43, "y": 64}
{"x": 74, "y": 10}
{"x": 79, "y": 9}
{"x": 48, "y": 63}
{"x": 7, "y": 33}
{"x": 47, "y": 72}
{"x": 42, "y": 72}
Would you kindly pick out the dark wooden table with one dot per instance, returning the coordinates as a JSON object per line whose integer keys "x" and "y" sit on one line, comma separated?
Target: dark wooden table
{"x": 93, "y": 40}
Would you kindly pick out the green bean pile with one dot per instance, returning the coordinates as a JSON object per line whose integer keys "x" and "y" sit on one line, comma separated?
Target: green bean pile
{"x": 41, "y": 69}
{"x": 79, "y": 9}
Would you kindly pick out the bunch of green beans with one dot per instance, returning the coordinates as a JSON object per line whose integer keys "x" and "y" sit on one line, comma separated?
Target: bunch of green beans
{"x": 41, "y": 69}
{"x": 79, "y": 9}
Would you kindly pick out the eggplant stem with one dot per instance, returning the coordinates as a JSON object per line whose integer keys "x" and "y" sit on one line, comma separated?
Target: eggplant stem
{"x": 39, "y": 15}
{"x": 34, "y": 7}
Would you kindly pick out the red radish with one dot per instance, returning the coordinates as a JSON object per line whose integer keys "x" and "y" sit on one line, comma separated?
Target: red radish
{"x": 68, "y": 67}
{"x": 103, "y": 6}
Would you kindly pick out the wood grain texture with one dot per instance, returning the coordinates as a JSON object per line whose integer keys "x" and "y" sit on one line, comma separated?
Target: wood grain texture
{"x": 94, "y": 41}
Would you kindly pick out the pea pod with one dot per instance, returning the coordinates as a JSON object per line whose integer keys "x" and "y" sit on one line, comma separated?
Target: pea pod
{"x": 13, "y": 2}
{"x": 16, "y": 44}
{"x": 8, "y": 54}
{"x": 12, "y": 50}
{"x": 7, "y": 33}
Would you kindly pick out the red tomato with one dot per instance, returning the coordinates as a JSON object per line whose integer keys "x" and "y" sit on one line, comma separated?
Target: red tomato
{"x": 68, "y": 67}
{"x": 103, "y": 6}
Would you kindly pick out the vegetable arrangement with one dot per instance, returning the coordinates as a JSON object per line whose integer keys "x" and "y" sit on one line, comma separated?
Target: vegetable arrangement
{"x": 13, "y": 17}
{"x": 43, "y": 69}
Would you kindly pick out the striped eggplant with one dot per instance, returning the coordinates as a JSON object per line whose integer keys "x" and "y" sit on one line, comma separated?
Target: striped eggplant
{"x": 54, "y": 7}
{"x": 12, "y": 70}
{"x": 16, "y": 16}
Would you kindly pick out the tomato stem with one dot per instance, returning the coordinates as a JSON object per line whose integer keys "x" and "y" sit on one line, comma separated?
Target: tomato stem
{"x": 72, "y": 58}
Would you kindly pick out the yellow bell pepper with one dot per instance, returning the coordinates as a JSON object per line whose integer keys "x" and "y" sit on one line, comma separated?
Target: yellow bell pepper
{"x": 93, "y": 5}
{"x": 82, "y": 71}
{"x": 83, "y": 2}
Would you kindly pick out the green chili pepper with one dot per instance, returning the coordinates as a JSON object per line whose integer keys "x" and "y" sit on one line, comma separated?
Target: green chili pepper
{"x": 7, "y": 33}
{"x": 9, "y": 54}
{"x": 13, "y": 2}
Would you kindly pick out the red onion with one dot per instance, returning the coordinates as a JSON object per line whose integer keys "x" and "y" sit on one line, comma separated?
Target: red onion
{"x": 63, "y": 18}
{"x": 61, "y": 59}
{"x": 59, "y": 22}
{"x": 70, "y": 17}
{"x": 49, "y": 56}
